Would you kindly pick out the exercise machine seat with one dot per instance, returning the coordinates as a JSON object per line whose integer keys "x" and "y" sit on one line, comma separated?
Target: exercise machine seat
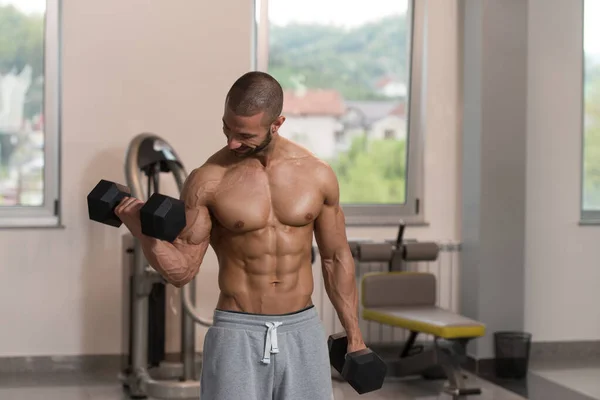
{"x": 407, "y": 300}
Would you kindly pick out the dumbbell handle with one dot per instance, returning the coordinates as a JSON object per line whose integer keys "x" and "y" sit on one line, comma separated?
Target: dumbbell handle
{"x": 358, "y": 353}
{"x": 125, "y": 191}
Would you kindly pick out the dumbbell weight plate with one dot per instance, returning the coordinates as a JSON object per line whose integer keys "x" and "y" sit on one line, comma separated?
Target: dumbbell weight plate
{"x": 338, "y": 345}
{"x": 364, "y": 371}
{"x": 162, "y": 217}
{"x": 103, "y": 199}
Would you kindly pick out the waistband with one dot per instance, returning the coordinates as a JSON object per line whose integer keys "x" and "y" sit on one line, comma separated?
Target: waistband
{"x": 256, "y": 322}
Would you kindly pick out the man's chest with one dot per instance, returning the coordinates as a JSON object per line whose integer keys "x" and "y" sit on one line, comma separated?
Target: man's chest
{"x": 254, "y": 199}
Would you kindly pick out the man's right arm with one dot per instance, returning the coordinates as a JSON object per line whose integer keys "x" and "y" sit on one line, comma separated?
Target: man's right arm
{"x": 179, "y": 262}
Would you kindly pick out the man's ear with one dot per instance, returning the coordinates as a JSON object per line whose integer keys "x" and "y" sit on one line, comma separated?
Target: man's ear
{"x": 277, "y": 124}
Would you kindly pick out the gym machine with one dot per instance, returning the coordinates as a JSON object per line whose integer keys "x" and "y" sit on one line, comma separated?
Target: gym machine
{"x": 402, "y": 299}
{"x": 145, "y": 372}
{"x": 396, "y": 253}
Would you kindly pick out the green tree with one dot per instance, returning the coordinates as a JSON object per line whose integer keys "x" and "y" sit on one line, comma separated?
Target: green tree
{"x": 21, "y": 41}
{"x": 350, "y": 61}
{"x": 22, "y": 44}
{"x": 372, "y": 171}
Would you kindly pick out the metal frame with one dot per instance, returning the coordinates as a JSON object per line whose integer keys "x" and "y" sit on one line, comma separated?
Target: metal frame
{"x": 48, "y": 214}
{"x": 441, "y": 359}
{"x": 412, "y": 211}
{"x": 169, "y": 380}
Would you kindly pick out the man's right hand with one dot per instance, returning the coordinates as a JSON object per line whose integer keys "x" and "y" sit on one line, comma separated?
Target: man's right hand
{"x": 128, "y": 212}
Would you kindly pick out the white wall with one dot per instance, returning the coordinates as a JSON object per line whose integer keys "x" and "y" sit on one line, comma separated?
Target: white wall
{"x": 130, "y": 68}
{"x": 562, "y": 258}
{"x": 391, "y": 122}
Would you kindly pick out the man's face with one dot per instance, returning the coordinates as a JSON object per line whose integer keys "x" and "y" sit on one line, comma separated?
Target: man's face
{"x": 248, "y": 136}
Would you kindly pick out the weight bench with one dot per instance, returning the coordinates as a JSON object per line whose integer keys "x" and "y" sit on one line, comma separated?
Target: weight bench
{"x": 408, "y": 300}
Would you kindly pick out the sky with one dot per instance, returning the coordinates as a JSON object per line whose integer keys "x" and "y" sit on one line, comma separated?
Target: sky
{"x": 591, "y": 26}
{"x": 348, "y": 13}
{"x": 27, "y": 6}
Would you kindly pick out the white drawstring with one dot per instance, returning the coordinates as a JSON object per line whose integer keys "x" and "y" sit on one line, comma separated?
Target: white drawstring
{"x": 270, "y": 341}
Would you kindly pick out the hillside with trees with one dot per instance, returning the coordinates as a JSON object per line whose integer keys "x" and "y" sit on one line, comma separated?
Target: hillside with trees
{"x": 348, "y": 60}
{"x": 21, "y": 44}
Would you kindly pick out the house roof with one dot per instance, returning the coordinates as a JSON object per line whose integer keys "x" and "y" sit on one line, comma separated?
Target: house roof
{"x": 383, "y": 82}
{"x": 324, "y": 102}
{"x": 373, "y": 110}
{"x": 399, "y": 110}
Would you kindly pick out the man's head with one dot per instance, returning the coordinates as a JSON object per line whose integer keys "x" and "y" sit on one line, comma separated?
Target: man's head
{"x": 252, "y": 113}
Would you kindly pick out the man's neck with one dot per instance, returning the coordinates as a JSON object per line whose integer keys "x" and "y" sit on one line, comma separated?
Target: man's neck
{"x": 269, "y": 154}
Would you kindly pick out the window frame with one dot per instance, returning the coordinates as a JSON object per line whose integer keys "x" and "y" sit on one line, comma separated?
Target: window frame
{"x": 586, "y": 217}
{"x": 412, "y": 211}
{"x": 48, "y": 214}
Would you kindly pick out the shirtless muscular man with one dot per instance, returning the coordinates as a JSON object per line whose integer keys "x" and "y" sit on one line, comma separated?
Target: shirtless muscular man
{"x": 257, "y": 202}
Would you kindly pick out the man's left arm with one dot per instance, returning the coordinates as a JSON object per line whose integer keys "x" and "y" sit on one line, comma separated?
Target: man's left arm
{"x": 336, "y": 259}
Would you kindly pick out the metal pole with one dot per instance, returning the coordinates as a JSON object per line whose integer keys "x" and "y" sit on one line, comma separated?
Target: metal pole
{"x": 139, "y": 309}
{"x": 139, "y": 350}
{"x": 188, "y": 336}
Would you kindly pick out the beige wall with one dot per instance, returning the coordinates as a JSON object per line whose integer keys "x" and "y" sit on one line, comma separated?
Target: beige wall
{"x": 165, "y": 69}
{"x": 130, "y": 68}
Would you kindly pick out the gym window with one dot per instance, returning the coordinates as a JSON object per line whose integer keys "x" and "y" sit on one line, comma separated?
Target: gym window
{"x": 29, "y": 113}
{"x": 590, "y": 205}
{"x": 351, "y": 72}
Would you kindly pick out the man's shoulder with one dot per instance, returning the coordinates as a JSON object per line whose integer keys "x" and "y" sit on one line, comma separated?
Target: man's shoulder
{"x": 322, "y": 173}
{"x": 205, "y": 172}
{"x": 204, "y": 180}
{"x": 320, "y": 168}
{"x": 308, "y": 158}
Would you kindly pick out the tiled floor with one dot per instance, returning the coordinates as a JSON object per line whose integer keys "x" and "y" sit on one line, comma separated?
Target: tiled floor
{"x": 546, "y": 382}
{"x": 580, "y": 376}
{"x": 557, "y": 379}
{"x": 103, "y": 386}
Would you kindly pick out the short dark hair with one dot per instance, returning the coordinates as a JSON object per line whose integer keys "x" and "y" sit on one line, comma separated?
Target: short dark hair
{"x": 256, "y": 92}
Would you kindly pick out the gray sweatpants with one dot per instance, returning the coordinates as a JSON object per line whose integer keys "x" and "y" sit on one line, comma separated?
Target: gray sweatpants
{"x": 264, "y": 357}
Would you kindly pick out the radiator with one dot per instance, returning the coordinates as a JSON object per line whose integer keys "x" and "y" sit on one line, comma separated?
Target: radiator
{"x": 446, "y": 269}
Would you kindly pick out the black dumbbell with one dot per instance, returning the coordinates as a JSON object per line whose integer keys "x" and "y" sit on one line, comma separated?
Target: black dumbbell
{"x": 364, "y": 370}
{"x": 162, "y": 217}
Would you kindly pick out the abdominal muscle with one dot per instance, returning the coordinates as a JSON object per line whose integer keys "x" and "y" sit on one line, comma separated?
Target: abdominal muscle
{"x": 265, "y": 272}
